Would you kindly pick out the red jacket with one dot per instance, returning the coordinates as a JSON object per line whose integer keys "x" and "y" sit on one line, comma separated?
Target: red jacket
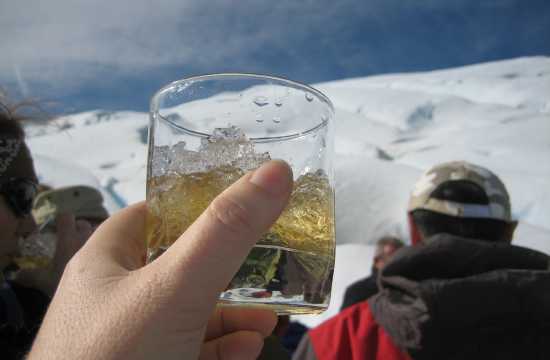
{"x": 353, "y": 334}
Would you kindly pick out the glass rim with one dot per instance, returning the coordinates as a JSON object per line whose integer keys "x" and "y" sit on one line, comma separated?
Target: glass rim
{"x": 154, "y": 103}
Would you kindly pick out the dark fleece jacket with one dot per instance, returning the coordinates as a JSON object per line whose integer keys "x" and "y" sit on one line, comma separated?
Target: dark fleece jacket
{"x": 457, "y": 298}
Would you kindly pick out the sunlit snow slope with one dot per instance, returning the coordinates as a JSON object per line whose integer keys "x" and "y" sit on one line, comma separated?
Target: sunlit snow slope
{"x": 389, "y": 129}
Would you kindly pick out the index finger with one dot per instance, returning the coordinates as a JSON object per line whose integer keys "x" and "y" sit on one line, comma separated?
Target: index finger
{"x": 228, "y": 319}
{"x": 120, "y": 239}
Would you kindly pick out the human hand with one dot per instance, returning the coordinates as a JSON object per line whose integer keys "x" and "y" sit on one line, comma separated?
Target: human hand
{"x": 70, "y": 235}
{"x": 109, "y": 306}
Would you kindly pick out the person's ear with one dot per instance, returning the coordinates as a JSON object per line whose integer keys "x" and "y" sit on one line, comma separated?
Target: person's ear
{"x": 416, "y": 236}
{"x": 509, "y": 235}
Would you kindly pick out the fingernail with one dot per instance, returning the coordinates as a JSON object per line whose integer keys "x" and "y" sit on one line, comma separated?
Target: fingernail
{"x": 274, "y": 177}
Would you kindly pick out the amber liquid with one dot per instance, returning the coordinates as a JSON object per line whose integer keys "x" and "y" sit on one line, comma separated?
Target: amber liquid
{"x": 289, "y": 270}
{"x": 32, "y": 262}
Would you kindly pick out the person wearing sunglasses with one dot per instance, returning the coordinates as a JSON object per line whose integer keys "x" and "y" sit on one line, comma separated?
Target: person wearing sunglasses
{"x": 21, "y": 308}
{"x": 25, "y": 297}
{"x": 17, "y": 188}
{"x": 16, "y": 197}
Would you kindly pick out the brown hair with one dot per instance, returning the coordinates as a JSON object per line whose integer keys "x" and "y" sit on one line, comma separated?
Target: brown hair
{"x": 10, "y": 123}
{"x": 430, "y": 223}
{"x": 20, "y": 112}
{"x": 15, "y": 160}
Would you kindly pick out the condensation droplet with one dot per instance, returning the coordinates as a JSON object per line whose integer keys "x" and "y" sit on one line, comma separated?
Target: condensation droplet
{"x": 259, "y": 118}
{"x": 181, "y": 87}
{"x": 278, "y": 103}
{"x": 261, "y": 100}
{"x": 276, "y": 119}
{"x": 309, "y": 97}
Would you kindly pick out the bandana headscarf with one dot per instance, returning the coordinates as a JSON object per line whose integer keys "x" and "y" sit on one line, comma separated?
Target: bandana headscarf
{"x": 15, "y": 159}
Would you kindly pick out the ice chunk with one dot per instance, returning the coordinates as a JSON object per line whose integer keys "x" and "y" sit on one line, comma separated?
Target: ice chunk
{"x": 226, "y": 146}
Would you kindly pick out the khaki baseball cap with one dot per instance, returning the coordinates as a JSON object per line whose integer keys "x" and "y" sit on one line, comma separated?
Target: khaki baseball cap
{"x": 81, "y": 201}
{"x": 422, "y": 196}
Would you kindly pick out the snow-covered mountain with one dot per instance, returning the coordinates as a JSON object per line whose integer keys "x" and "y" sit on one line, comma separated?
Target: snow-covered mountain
{"x": 389, "y": 129}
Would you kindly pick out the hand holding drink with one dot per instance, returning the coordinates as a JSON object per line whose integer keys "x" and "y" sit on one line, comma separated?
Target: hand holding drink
{"x": 110, "y": 306}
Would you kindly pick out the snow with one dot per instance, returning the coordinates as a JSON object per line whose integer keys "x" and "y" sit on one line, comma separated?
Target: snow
{"x": 388, "y": 130}
{"x": 112, "y": 146}
{"x": 59, "y": 173}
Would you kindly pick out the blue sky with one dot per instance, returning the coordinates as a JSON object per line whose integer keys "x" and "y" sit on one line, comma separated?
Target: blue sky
{"x": 81, "y": 55}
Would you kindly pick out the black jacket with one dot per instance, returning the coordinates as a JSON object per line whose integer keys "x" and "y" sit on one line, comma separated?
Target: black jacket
{"x": 21, "y": 313}
{"x": 361, "y": 290}
{"x": 457, "y": 298}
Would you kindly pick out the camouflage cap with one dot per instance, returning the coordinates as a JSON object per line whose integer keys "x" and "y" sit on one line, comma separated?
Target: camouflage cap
{"x": 81, "y": 201}
{"x": 499, "y": 201}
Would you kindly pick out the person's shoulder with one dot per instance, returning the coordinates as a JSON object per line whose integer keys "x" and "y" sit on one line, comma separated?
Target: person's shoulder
{"x": 346, "y": 335}
{"x": 359, "y": 284}
{"x": 356, "y": 314}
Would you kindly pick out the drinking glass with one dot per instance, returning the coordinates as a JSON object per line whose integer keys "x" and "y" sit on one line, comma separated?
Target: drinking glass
{"x": 205, "y": 133}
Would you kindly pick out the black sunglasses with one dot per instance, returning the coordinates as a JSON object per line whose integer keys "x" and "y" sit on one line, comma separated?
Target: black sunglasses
{"x": 19, "y": 194}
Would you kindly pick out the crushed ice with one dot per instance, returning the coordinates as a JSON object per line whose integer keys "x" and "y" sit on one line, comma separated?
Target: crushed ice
{"x": 226, "y": 146}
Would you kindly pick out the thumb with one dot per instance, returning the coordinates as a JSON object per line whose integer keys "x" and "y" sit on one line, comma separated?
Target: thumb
{"x": 65, "y": 225}
{"x": 239, "y": 345}
{"x": 210, "y": 252}
{"x": 84, "y": 230}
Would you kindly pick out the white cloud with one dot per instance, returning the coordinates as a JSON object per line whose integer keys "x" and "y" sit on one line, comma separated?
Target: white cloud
{"x": 139, "y": 34}
{"x": 67, "y": 43}
{"x": 107, "y": 32}
{"x": 64, "y": 43}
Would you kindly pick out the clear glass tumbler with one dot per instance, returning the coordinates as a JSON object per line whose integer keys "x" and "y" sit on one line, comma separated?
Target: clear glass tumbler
{"x": 205, "y": 133}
